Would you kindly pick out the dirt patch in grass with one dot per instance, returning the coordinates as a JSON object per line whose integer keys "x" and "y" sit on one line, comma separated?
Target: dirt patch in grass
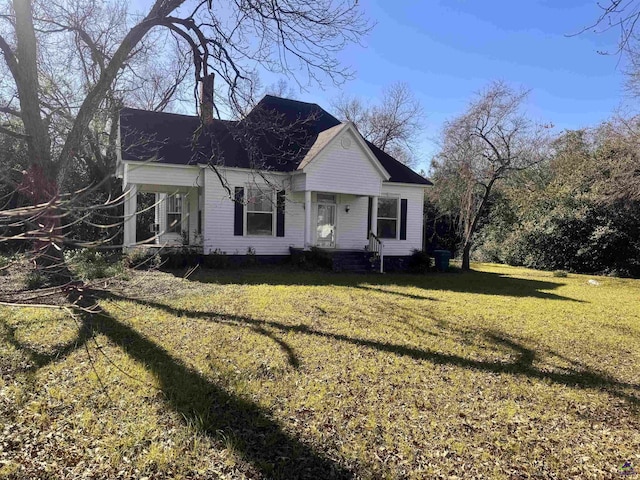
{"x": 498, "y": 373}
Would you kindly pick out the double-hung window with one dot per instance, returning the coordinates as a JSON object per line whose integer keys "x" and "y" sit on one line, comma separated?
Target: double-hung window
{"x": 387, "y": 217}
{"x": 174, "y": 213}
{"x": 260, "y": 206}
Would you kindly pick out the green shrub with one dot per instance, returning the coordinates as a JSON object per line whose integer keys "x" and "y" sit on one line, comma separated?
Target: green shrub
{"x": 314, "y": 259}
{"x": 419, "y": 262}
{"x": 34, "y": 280}
{"x": 141, "y": 259}
{"x": 560, "y": 273}
{"x": 180, "y": 258}
{"x": 4, "y": 263}
{"x": 575, "y": 234}
{"x": 250, "y": 257}
{"x": 90, "y": 264}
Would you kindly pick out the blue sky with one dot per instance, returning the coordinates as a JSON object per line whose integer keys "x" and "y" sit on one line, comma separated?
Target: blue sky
{"x": 447, "y": 50}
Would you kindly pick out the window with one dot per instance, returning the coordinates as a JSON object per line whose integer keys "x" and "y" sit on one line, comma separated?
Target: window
{"x": 326, "y": 198}
{"x": 174, "y": 213}
{"x": 387, "y": 217}
{"x": 259, "y": 211}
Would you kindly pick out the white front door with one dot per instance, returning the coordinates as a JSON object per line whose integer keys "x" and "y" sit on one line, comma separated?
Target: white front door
{"x": 326, "y": 226}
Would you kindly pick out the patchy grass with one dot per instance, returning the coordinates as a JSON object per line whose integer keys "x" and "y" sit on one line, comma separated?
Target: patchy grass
{"x": 498, "y": 373}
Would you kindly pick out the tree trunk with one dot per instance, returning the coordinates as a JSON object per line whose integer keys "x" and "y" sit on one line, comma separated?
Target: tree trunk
{"x": 38, "y": 184}
{"x": 29, "y": 92}
{"x": 471, "y": 230}
{"x": 466, "y": 253}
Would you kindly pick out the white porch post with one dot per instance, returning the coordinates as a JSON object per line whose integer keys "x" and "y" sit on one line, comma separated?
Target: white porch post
{"x": 374, "y": 215}
{"x": 156, "y": 217}
{"x": 130, "y": 209}
{"x": 307, "y": 219}
{"x": 193, "y": 214}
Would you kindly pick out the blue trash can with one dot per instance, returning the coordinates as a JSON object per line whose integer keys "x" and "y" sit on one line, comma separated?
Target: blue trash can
{"x": 441, "y": 259}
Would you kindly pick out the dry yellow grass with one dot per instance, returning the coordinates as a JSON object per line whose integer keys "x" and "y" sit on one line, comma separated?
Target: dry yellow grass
{"x": 499, "y": 373}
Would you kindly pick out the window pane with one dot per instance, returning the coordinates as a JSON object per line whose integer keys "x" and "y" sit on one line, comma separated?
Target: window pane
{"x": 259, "y": 223}
{"x": 174, "y": 203}
{"x": 326, "y": 198}
{"x": 173, "y": 222}
{"x": 258, "y": 200}
{"x": 326, "y": 225}
{"x": 387, "y": 208}
{"x": 387, "y": 228}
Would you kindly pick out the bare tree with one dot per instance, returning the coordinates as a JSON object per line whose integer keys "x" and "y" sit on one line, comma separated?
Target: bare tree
{"x": 394, "y": 125}
{"x": 250, "y": 93}
{"x": 484, "y": 145}
{"x": 621, "y": 15}
{"x": 290, "y": 36}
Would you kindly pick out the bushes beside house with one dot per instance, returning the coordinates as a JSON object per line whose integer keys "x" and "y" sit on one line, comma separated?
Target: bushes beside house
{"x": 313, "y": 259}
{"x": 90, "y": 264}
{"x": 585, "y": 237}
{"x": 419, "y": 262}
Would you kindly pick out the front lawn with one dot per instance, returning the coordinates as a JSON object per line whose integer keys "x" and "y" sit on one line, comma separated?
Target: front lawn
{"x": 498, "y": 373}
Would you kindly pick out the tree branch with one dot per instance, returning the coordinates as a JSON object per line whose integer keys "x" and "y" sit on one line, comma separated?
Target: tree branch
{"x": 160, "y": 10}
{"x": 12, "y": 133}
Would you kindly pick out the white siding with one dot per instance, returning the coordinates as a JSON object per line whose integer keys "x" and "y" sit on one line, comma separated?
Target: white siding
{"x": 218, "y": 208}
{"x": 159, "y": 174}
{"x": 219, "y": 216}
{"x": 219, "y": 212}
{"x": 299, "y": 182}
{"x": 340, "y": 170}
{"x": 415, "y": 214}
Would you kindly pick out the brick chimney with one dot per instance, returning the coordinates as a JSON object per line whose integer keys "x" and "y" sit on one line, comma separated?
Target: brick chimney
{"x": 206, "y": 98}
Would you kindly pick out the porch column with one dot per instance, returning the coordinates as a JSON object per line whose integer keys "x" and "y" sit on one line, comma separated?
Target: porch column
{"x": 130, "y": 209}
{"x": 374, "y": 215}
{"x": 307, "y": 219}
{"x": 193, "y": 197}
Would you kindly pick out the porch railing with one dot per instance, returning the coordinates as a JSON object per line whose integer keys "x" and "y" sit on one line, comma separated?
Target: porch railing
{"x": 377, "y": 248}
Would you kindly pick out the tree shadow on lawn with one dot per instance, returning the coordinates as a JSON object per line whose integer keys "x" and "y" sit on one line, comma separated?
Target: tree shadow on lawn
{"x": 261, "y": 441}
{"x": 580, "y": 376}
{"x": 258, "y": 438}
{"x": 484, "y": 283}
{"x": 39, "y": 359}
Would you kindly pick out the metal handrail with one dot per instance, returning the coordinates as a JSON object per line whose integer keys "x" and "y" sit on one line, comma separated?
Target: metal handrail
{"x": 377, "y": 247}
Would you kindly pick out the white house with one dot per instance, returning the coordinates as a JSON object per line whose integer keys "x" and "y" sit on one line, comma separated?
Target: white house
{"x": 289, "y": 175}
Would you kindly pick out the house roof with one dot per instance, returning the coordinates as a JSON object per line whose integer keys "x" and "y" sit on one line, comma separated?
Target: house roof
{"x": 278, "y": 134}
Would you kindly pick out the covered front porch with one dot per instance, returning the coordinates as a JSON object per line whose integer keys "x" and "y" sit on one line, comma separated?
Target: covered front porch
{"x": 338, "y": 221}
{"x": 167, "y": 217}
{"x": 162, "y": 205}
{"x": 343, "y": 227}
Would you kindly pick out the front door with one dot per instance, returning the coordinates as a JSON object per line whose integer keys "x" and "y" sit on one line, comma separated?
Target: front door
{"x": 326, "y": 230}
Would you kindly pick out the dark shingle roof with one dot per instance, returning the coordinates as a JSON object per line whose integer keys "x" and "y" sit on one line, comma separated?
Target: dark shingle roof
{"x": 276, "y": 135}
